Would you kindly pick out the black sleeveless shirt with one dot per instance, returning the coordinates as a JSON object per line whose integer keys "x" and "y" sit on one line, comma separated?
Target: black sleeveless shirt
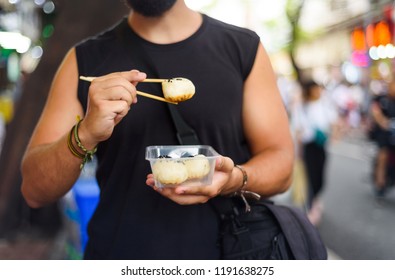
{"x": 132, "y": 221}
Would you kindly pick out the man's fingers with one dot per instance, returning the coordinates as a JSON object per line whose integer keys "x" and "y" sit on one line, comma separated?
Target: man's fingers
{"x": 190, "y": 194}
{"x": 114, "y": 87}
{"x": 133, "y": 75}
{"x": 224, "y": 164}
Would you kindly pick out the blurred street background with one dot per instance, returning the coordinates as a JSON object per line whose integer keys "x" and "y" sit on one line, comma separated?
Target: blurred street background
{"x": 346, "y": 46}
{"x": 355, "y": 225}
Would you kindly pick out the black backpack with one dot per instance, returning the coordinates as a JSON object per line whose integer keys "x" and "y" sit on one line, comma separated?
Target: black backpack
{"x": 302, "y": 237}
{"x": 267, "y": 231}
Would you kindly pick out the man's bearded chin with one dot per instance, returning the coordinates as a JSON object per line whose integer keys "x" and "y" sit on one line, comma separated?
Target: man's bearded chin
{"x": 151, "y": 8}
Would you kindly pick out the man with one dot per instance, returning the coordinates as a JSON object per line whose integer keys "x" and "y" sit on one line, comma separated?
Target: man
{"x": 162, "y": 39}
{"x": 383, "y": 113}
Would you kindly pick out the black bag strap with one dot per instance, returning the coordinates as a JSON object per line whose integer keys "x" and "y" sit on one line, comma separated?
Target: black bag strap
{"x": 186, "y": 135}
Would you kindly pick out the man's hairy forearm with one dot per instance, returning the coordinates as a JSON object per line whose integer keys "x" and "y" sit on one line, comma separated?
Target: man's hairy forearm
{"x": 274, "y": 174}
{"x": 49, "y": 171}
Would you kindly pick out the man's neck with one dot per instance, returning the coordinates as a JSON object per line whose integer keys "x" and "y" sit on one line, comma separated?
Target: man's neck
{"x": 176, "y": 25}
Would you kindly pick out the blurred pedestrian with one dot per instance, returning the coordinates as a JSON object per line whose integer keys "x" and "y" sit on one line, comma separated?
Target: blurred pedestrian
{"x": 341, "y": 94}
{"x": 314, "y": 122}
{"x": 383, "y": 113}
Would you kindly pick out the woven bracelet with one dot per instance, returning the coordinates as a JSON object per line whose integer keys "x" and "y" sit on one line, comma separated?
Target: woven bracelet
{"x": 88, "y": 156}
{"x": 72, "y": 149}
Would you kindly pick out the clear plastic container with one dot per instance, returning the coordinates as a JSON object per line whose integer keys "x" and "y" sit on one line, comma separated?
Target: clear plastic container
{"x": 182, "y": 165}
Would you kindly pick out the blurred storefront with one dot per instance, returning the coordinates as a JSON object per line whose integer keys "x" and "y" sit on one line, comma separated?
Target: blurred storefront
{"x": 356, "y": 37}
